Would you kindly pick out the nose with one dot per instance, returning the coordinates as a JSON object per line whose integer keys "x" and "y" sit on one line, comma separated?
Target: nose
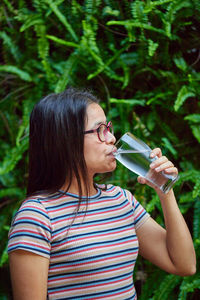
{"x": 110, "y": 139}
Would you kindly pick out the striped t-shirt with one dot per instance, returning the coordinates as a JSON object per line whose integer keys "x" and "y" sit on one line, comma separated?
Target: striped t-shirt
{"x": 92, "y": 256}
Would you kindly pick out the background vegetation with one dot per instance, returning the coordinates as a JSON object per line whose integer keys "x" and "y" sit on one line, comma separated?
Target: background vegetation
{"x": 142, "y": 58}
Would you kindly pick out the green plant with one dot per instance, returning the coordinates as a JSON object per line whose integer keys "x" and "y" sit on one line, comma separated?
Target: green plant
{"x": 142, "y": 59}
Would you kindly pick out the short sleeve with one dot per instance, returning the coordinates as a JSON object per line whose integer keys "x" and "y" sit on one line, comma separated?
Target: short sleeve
{"x": 31, "y": 229}
{"x": 139, "y": 213}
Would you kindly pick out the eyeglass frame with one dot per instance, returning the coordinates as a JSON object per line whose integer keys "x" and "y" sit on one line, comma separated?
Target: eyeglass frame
{"x": 108, "y": 126}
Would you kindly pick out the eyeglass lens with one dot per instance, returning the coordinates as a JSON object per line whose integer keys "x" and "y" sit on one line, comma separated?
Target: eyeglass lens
{"x": 103, "y": 130}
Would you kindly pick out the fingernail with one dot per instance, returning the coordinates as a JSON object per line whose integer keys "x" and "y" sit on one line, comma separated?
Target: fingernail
{"x": 157, "y": 169}
{"x": 152, "y": 155}
{"x": 152, "y": 165}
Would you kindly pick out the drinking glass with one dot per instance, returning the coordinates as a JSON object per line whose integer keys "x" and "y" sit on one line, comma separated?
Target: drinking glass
{"x": 134, "y": 154}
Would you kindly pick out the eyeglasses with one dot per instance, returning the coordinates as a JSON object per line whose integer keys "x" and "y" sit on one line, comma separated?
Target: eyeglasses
{"x": 102, "y": 131}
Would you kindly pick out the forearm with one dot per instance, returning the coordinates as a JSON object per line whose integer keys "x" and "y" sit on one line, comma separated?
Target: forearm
{"x": 178, "y": 239}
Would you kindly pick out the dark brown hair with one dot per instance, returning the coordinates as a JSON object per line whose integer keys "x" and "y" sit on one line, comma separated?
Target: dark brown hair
{"x": 56, "y": 142}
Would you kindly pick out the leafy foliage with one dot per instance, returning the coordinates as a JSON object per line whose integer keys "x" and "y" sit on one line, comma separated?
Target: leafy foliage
{"x": 142, "y": 59}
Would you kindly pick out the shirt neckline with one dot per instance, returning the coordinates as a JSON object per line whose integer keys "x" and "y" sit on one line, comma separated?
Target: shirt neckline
{"x": 98, "y": 193}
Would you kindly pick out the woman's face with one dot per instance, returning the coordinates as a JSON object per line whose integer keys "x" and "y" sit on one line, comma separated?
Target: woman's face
{"x": 98, "y": 155}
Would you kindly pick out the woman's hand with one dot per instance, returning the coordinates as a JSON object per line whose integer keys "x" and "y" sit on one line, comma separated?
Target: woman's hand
{"x": 159, "y": 165}
{"x": 171, "y": 248}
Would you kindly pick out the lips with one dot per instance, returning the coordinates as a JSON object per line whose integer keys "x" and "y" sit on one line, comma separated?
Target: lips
{"x": 114, "y": 149}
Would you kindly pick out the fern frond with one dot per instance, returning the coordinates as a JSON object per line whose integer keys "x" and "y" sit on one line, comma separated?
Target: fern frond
{"x": 137, "y": 10}
{"x": 43, "y": 51}
{"x": 62, "y": 18}
{"x": 31, "y": 20}
{"x": 126, "y": 77}
{"x": 10, "y": 45}
{"x": 169, "y": 146}
{"x": 15, "y": 70}
{"x": 137, "y": 25}
{"x": 91, "y": 7}
{"x": 196, "y": 131}
{"x": 10, "y": 7}
{"x": 183, "y": 94}
{"x": 151, "y": 284}
{"x": 88, "y": 43}
{"x": 152, "y": 47}
{"x": 67, "y": 72}
{"x": 12, "y": 157}
{"x": 190, "y": 175}
{"x": 196, "y": 219}
{"x": 196, "y": 4}
{"x": 181, "y": 63}
{"x": 110, "y": 12}
{"x": 24, "y": 127}
{"x": 194, "y": 118}
{"x": 131, "y": 102}
{"x": 62, "y": 42}
{"x": 174, "y": 7}
{"x": 166, "y": 287}
{"x": 150, "y": 5}
{"x": 151, "y": 205}
{"x": 8, "y": 192}
{"x": 186, "y": 287}
{"x": 76, "y": 8}
{"x": 194, "y": 122}
{"x": 104, "y": 66}
{"x": 4, "y": 257}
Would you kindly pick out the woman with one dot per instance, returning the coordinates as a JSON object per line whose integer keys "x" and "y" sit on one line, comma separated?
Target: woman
{"x": 74, "y": 239}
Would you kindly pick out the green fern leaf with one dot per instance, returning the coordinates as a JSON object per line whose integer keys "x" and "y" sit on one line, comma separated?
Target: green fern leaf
{"x": 194, "y": 118}
{"x": 4, "y": 257}
{"x": 194, "y": 122}
{"x": 151, "y": 205}
{"x": 110, "y": 12}
{"x": 32, "y": 19}
{"x": 10, "y": 45}
{"x": 196, "y": 219}
{"x": 76, "y": 8}
{"x": 126, "y": 70}
{"x": 190, "y": 175}
{"x": 181, "y": 64}
{"x": 131, "y": 102}
{"x": 196, "y": 131}
{"x": 10, "y": 7}
{"x": 15, "y": 70}
{"x": 137, "y": 25}
{"x": 105, "y": 66}
{"x": 150, "y": 5}
{"x": 43, "y": 52}
{"x": 12, "y": 157}
{"x": 183, "y": 94}
{"x": 137, "y": 10}
{"x": 67, "y": 72}
{"x": 166, "y": 287}
{"x": 62, "y": 42}
{"x": 8, "y": 192}
{"x": 24, "y": 127}
{"x": 91, "y": 7}
{"x": 152, "y": 47}
{"x": 62, "y": 19}
{"x": 188, "y": 288}
{"x": 169, "y": 146}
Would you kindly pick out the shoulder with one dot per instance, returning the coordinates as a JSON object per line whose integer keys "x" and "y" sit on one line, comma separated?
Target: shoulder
{"x": 32, "y": 211}
{"x": 33, "y": 205}
{"x": 117, "y": 191}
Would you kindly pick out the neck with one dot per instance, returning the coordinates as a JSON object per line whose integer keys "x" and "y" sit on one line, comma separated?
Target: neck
{"x": 73, "y": 188}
